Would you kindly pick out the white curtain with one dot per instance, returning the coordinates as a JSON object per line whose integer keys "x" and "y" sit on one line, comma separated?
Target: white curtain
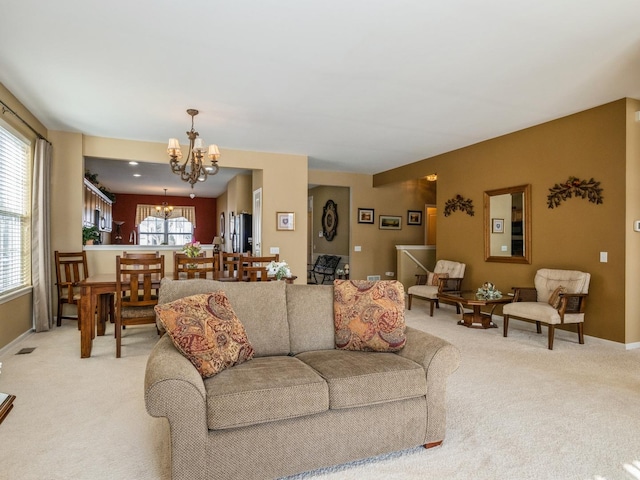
{"x": 41, "y": 238}
{"x": 144, "y": 211}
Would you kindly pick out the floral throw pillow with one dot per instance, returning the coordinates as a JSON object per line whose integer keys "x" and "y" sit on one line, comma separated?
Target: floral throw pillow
{"x": 369, "y": 316}
{"x": 205, "y": 329}
{"x": 554, "y": 298}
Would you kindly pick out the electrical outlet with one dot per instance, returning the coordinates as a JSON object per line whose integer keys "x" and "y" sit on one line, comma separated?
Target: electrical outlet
{"x": 357, "y": 248}
{"x": 389, "y": 274}
{"x": 274, "y": 250}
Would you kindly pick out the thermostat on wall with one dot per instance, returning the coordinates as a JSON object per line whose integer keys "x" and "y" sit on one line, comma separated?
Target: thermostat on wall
{"x": 636, "y": 226}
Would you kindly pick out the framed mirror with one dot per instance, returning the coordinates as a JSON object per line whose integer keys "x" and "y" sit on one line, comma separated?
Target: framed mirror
{"x": 507, "y": 225}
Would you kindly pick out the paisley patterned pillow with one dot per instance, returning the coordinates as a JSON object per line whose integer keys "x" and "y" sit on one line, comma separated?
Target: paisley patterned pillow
{"x": 554, "y": 298}
{"x": 369, "y": 316}
{"x": 205, "y": 329}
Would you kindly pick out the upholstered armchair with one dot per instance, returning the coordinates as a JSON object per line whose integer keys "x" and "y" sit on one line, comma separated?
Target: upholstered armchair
{"x": 446, "y": 276}
{"x": 558, "y": 298}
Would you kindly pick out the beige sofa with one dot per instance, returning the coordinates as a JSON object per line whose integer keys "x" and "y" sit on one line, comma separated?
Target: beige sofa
{"x": 299, "y": 404}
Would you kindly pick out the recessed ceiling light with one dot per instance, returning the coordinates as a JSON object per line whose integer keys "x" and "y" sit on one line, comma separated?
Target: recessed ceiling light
{"x": 137, "y": 175}
{"x": 133, "y": 163}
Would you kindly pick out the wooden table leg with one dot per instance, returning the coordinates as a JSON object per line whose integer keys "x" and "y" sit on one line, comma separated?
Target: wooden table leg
{"x": 103, "y": 311}
{"x": 477, "y": 319}
{"x": 87, "y": 331}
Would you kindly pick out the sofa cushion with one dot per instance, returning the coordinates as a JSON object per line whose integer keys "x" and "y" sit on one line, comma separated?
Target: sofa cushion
{"x": 365, "y": 378}
{"x": 263, "y": 390}
{"x": 205, "y": 329}
{"x": 260, "y": 306}
{"x": 310, "y": 314}
{"x": 369, "y": 316}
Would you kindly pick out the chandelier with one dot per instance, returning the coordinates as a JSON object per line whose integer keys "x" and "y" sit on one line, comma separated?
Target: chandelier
{"x": 165, "y": 210}
{"x": 193, "y": 169}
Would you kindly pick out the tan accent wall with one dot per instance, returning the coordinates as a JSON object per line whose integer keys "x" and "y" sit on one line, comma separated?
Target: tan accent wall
{"x": 16, "y": 314}
{"x": 588, "y": 144}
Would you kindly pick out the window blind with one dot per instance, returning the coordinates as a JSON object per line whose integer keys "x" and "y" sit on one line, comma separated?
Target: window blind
{"x": 15, "y": 238}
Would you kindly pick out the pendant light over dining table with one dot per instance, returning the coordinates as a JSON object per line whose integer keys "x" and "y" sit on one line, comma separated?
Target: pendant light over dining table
{"x": 193, "y": 169}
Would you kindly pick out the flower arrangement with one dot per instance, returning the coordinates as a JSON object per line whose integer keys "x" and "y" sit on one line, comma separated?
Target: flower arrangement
{"x": 488, "y": 290}
{"x": 192, "y": 249}
{"x": 278, "y": 270}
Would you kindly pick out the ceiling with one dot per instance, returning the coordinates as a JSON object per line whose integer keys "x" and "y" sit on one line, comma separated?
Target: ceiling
{"x": 356, "y": 85}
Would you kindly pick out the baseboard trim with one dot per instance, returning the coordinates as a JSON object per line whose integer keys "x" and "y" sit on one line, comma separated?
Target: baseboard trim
{"x": 5, "y": 350}
{"x": 632, "y": 346}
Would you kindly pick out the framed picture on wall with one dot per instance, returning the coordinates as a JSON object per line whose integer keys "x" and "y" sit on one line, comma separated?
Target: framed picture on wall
{"x": 285, "y": 221}
{"x": 390, "y": 222}
{"x": 365, "y": 215}
{"x": 414, "y": 217}
{"x": 497, "y": 225}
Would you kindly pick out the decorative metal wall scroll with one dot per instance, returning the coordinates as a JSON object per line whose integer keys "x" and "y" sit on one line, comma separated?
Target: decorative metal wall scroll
{"x": 458, "y": 203}
{"x": 574, "y": 187}
{"x": 329, "y": 220}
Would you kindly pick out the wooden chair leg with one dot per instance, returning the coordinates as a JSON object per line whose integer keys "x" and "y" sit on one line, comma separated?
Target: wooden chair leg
{"x": 409, "y": 301}
{"x": 506, "y": 325}
{"x": 431, "y": 304}
{"x": 118, "y": 338}
{"x": 580, "y": 334}
{"x": 59, "y": 319}
{"x": 538, "y": 327}
{"x": 552, "y": 330}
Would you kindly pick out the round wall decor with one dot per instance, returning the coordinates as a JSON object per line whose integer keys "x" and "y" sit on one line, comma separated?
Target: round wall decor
{"x": 329, "y": 220}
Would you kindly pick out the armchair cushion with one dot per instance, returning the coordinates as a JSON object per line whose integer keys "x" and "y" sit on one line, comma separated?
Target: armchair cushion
{"x": 369, "y": 316}
{"x": 205, "y": 329}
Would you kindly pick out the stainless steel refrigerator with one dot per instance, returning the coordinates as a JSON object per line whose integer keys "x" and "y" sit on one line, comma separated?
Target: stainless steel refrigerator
{"x": 242, "y": 241}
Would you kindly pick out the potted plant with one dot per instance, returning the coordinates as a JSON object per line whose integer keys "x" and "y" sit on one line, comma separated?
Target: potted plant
{"x": 90, "y": 235}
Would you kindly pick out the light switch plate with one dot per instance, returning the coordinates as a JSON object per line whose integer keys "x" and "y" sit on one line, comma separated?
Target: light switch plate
{"x": 274, "y": 250}
{"x": 636, "y": 226}
{"x": 604, "y": 257}
{"x": 357, "y": 248}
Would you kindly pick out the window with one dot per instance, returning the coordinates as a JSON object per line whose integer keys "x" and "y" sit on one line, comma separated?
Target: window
{"x": 158, "y": 231}
{"x": 15, "y": 214}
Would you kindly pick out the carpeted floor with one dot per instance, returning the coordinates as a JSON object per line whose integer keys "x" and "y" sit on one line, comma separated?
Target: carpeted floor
{"x": 515, "y": 410}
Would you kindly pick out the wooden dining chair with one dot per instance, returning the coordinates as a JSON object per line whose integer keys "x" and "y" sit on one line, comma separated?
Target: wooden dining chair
{"x": 185, "y": 268}
{"x": 229, "y": 264}
{"x": 140, "y": 255}
{"x": 71, "y": 269}
{"x": 254, "y": 269}
{"x": 137, "y": 284}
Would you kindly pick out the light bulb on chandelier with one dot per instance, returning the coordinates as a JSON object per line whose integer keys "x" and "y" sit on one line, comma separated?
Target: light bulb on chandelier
{"x": 165, "y": 210}
{"x": 193, "y": 169}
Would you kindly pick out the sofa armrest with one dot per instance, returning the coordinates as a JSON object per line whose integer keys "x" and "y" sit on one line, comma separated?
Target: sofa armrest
{"x": 174, "y": 389}
{"x": 439, "y": 359}
{"x": 425, "y": 349}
